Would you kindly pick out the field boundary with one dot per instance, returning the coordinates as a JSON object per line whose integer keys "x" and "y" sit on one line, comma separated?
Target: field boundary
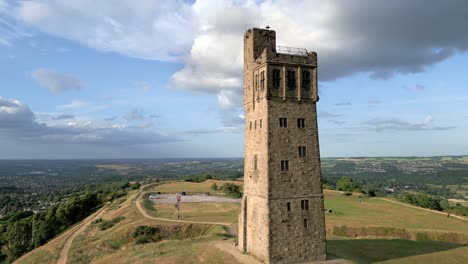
{"x": 424, "y": 209}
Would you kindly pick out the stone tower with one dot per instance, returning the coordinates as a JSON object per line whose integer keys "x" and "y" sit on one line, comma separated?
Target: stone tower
{"x": 282, "y": 214}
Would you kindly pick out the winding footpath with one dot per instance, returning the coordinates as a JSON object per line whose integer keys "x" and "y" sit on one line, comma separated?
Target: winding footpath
{"x": 63, "y": 257}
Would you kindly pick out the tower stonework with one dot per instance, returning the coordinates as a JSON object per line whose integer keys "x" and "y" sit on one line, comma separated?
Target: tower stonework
{"x": 282, "y": 214}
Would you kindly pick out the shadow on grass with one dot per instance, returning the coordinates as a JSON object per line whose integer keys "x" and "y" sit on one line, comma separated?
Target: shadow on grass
{"x": 373, "y": 250}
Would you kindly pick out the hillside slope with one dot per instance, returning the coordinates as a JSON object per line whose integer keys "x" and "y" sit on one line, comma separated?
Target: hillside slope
{"x": 132, "y": 232}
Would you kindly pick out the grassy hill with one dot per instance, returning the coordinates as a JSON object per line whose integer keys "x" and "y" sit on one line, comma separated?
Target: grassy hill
{"x": 370, "y": 230}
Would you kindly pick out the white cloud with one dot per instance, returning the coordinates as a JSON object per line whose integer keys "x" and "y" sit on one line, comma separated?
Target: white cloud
{"x": 73, "y": 105}
{"x": 372, "y": 36}
{"x": 18, "y": 122}
{"x": 13, "y": 112}
{"x": 55, "y": 81}
{"x": 393, "y": 124}
{"x": 229, "y": 99}
{"x": 10, "y": 31}
{"x": 159, "y": 30}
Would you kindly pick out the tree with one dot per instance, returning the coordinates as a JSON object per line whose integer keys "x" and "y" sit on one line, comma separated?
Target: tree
{"x": 346, "y": 184}
{"x": 444, "y": 204}
{"x": 232, "y": 189}
{"x": 214, "y": 187}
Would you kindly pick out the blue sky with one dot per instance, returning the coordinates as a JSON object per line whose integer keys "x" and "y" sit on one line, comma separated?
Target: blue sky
{"x": 155, "y": 79}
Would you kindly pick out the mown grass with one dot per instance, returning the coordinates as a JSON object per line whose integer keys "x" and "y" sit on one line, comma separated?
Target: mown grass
{"x": 396, "y": 251}
{"x": 376, "y": 212}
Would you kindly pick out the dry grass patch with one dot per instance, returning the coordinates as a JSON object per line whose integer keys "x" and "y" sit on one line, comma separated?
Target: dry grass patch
{"x": 201, "y": 212}
{"x": 190, "y": 187}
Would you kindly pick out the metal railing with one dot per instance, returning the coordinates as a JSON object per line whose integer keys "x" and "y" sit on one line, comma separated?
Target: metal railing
{"x": 291, "y": 50}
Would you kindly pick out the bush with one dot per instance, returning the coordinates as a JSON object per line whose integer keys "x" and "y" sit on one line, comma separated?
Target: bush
{"x": 422, "y": 200}
{"x": 104, "y": 224}
{"x": 232, "y": 189}
{"x": 151, "y": 234}
{"x": 347, "y": 184}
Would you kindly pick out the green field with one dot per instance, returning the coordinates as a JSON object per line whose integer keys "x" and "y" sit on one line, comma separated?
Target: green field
{"x": 375, "y": 212}
{"x": 347, "y": 210}
{"x": 397, "y": 251}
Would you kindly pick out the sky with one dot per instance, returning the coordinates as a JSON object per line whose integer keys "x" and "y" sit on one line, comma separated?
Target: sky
{"x": 86, "y": 79}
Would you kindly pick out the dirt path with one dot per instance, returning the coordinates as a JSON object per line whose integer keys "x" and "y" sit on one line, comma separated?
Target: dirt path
{"x": 248, "y": 259}
{"x": 63, "y": 257}
{"x": 145, "y": 214}
{"x": 232, "y": 250}
{"x": 424, "y": 209}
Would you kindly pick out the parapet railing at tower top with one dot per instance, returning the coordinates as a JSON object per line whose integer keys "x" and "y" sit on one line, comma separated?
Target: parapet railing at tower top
{"x": 291, "y": 50}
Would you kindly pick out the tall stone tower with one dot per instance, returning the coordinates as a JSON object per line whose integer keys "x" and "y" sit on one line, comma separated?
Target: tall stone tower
{"x": 282, "y": 214}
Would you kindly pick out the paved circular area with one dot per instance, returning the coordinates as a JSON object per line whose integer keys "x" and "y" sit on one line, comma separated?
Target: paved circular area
{"x": 195, "y": 198}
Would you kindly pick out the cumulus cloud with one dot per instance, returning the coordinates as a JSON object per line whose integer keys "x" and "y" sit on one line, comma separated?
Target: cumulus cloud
{"x": 378, "y": 37}
{"x": 55, "y": 81}
{"x": 396, "y": 124}
{"x": 229, "y": 99}
{"x": 14, "y": 114}
{"x": 17, "y": 121}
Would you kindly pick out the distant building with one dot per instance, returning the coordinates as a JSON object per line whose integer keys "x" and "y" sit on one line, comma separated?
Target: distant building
{"x": 282, "y": 214}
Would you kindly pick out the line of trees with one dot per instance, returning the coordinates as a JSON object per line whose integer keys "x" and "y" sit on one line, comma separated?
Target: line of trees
{"x": 229, "y": 189}
{"x": 439, "y": 204}
{"x": 23, "y": 231}
{"x": 422, "y": 200}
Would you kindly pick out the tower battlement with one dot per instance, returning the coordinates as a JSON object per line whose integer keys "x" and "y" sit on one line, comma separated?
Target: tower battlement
{"x": 277, "y": 72}
{"x": 282, "y": 217}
